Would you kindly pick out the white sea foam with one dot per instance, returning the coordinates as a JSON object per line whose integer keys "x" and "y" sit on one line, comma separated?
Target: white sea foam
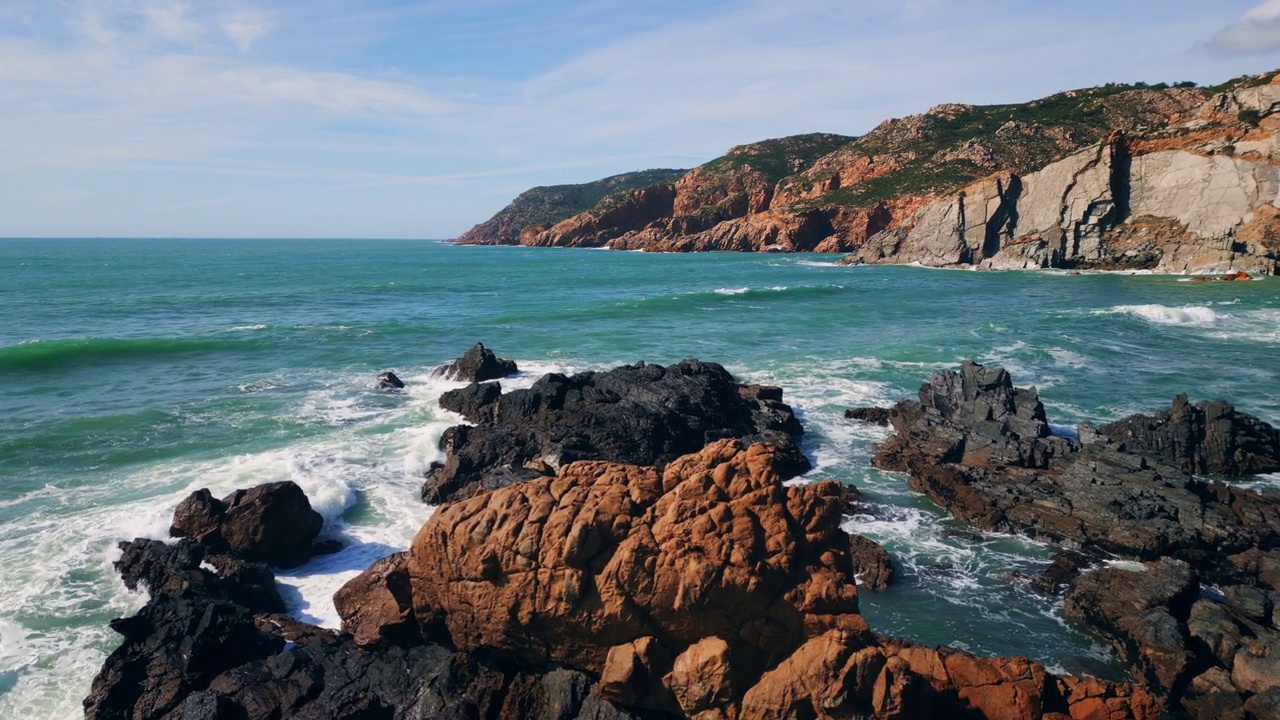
{"x": 1164, "y": 315}
{"x": 242, "y": 328}
{"x": 732, "y": 291}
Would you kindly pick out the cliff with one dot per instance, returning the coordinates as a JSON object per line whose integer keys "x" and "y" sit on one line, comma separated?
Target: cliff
{"x": 552, "y": 203}
{"x": 1172, "y": 179}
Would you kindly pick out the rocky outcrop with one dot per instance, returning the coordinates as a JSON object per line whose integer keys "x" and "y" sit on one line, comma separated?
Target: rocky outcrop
{"x": 271, "y": 523}
{"x": 1172, "y": 179}
{"x": 210, "y": 645}
{"x": 983, "y": 450}
{"x": 389, "y": 381}
{"x": 641, "y": 414}
{"x": 1208, "y": 438}
{"x": 703, "y": 588}
{"x": 708, "y": 590}
{"x": 477, "y": 365}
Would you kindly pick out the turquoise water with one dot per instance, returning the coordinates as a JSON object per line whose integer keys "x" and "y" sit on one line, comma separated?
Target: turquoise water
{"x": 135, "y": 371}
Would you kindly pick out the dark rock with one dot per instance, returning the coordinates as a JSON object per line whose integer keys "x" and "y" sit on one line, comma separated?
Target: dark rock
{"x": 873, "y": 415}
{"x": 982, "y": 449}
{"x": 271, "y": 523}
{"x": 641, "y": 414}
{"x": 1211, "y": 628}
{"x": 326, "y": 547}
{"x": 477, "y": 365}
{"x": 389, "y": 381}
{"x": 1065, "y": 567}
{"x": 173, "y": 648}
{"x": 1140, "y": 612}
{"x": 1256, "y": 668}
{"x": 1250, "y": 603}
{"x": 475, "y": 402}
{"x": 172, "y": 571}
{"x": 1211, "y": 695}
{"x": 872, "y": 567}
{"x": 1208, "y": 438}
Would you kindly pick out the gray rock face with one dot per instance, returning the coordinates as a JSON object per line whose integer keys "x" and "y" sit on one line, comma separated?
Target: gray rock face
{"x": 1174, "y": 210}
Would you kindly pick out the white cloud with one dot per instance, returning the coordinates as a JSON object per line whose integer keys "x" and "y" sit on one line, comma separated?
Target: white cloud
{"x": 170, "y": 21}
{"x": 1257, "y": 31}
{"x": 245, "y": 28}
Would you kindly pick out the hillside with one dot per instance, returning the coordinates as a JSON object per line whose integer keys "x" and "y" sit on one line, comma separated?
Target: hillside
{"x": 552, "y": 203}
{"x": 1172, "y": 178}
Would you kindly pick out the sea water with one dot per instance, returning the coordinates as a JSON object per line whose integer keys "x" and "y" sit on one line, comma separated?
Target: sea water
{"x": 133, "y": 372}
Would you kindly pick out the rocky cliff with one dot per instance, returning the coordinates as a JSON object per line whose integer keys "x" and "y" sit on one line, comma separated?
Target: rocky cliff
{"x": 552, "y": 203}
{"x": 1172, "y": 179}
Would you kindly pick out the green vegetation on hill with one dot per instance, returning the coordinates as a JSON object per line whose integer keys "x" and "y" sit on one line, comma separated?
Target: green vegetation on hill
{"x": 553, "y": 203}
{"x": 952, "y": 146}
{"x": 778, "y": 158}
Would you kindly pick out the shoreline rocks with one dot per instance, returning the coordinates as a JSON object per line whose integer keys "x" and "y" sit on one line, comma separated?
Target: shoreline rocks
{"x": 695, "y": 584}
{"x": 271, "y": 523}
{"x": 982, "y": 449}
{"x": 641, "y": 414}
{"x": 477, "y": 365}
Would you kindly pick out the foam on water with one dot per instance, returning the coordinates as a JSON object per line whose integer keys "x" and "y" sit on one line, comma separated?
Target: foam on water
{"x": 1193, "y": 315}
{"x": 356, "y": 464}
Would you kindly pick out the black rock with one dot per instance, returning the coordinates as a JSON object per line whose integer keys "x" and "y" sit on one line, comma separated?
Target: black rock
{"x": 640, "y": 414}
{"x": 183, "y": 570}
{"x": 477, "y": 365}
{"x": 873, "y": 415}
{"x": 271, "y": 523}
{"x": 389, "y": 381}
{"x": 1208, "y": 438}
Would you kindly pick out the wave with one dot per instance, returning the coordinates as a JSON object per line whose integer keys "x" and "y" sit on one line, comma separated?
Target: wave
{"x": 50, "y": 354}
{"x": 1192, "y": 315}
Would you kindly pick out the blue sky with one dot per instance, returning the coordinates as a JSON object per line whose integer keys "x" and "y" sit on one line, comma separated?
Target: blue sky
{"x": 336, "y": 118}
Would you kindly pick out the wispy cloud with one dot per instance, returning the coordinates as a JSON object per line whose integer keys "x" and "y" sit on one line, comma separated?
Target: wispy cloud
{"x": 244, "y": 28}
{"x": 1256, "y": 31}
{"x": 172, "y": 21}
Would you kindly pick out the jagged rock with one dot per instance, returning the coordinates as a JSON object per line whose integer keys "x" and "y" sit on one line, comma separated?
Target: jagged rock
{"x": 641, "y": 414}
{"x": 707, "y": 590}
{"x": 178, "y": 570}
{"x": 982, "y": 449}
{"x": 271, "y": 523}
{"x": 1208, "y": 438}
{"x": 389, "y": 381}
{"x": 1140, "y": 613}
{"x": 873, "y": 415}
{"x": 477, "y": 365}
{"x": 872, "y": 567}
{"x": 173, "y": 648}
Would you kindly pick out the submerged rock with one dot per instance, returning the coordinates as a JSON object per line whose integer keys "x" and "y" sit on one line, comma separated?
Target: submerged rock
{"x": 477, "y": 365}
{"x": 640, "y": 414}
{"x": 389, "y": 381}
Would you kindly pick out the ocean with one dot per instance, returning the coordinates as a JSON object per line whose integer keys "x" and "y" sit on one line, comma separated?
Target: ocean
{"x": 133, "y": 372}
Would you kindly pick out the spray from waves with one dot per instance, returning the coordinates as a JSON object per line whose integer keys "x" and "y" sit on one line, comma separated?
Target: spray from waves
{"x": 42, "y": 355}
{"x": 1191, "y": 315}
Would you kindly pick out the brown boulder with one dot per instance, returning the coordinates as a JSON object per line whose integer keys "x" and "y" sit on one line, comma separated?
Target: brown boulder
{"x": 376, "y": 606}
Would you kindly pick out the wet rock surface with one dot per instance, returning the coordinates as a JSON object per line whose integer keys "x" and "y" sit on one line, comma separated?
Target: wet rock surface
{"x": 1201, "y": 603}
{"x": 639, "y": 414}
{"x": 271, "y": 523}
{"x": 477, "y": 365}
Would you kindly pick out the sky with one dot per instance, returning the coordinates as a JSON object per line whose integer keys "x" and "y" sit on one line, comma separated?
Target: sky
{"x": 418, "y": 119}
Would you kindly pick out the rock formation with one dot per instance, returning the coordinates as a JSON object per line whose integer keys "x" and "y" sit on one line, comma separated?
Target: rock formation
{"x": 1172, "y": 179}
{"x": 641, "y": 414}
{"x": 982, "y": 449}
{"x": 477, "y": 365}
{"x": 700, "y": 587}
{"x": 271, "y": 523}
